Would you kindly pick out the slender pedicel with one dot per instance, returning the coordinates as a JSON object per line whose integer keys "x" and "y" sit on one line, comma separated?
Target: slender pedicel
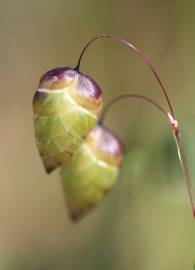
{"x": 118, "y": 98}
{"x": 176, "y": 133}
{"x": 140, "y": 54}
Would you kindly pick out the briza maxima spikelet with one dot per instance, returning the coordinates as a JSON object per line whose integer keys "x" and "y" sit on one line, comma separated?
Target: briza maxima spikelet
{"x": 92, "y": 171}
{"x": 66, "y": 105}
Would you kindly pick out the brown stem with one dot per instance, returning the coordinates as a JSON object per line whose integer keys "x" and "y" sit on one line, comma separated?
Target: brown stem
{"x": 183, "y": 161}
{"x": 176, "y": 133}
{"x": 118, "y": 98}
{"x": 140, "y": 54}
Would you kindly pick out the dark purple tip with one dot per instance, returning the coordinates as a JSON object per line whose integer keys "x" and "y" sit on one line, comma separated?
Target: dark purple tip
{"x": 38, "y": 97}
{"x": 88, "y": 88}
{"x": 84, "y": 89}
{"x": 108, "y": 143}
{"x": 56, "y": 75}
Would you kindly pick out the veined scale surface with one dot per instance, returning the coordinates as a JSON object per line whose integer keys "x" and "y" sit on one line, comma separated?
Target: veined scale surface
{"x": 91, "y": 172}
{"x": 65, "y": 106}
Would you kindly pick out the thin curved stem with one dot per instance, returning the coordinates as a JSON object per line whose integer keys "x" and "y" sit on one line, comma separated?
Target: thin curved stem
{"x": 176, "y": 133}
{"x": 118, "y": 98}
{"x": 185, "y": 169}
{"x": 140, "y": 54}
{"x": 182, "y": 159}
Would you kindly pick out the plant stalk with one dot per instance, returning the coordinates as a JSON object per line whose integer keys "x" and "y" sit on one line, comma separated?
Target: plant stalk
{"x": 139, "y": 53}
{"x": 182, "y": 159}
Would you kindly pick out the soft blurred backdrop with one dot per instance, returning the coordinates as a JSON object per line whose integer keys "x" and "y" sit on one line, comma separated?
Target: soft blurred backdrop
{"x": 145, "y": 222}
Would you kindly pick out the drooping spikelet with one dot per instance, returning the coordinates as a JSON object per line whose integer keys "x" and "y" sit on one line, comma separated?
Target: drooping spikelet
{"x": 92, "y": 171}
{"x": 65, "y": 107}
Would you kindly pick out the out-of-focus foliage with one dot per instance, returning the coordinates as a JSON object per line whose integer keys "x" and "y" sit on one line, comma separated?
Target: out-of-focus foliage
{"x": 145, "y": 223}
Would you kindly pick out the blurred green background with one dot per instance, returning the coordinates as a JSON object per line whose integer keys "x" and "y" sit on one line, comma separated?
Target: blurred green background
{"x": 145, "y": 222}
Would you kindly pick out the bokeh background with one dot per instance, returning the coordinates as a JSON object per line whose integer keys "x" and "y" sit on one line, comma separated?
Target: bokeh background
{"x": 145, "y": 222}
